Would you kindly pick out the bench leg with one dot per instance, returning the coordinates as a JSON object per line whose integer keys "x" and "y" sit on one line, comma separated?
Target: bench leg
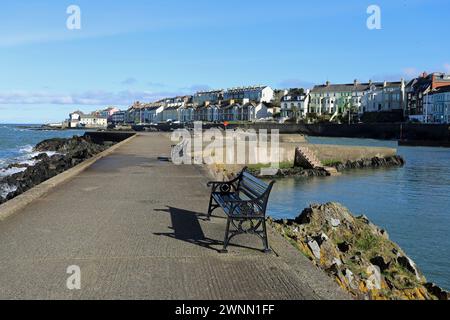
{"x": 227, "y": 238}
{"x": 210, "y": 208}
{"x": 265, "y": 238}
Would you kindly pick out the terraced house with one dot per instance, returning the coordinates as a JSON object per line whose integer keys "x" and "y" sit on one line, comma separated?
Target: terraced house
{"x": 334, "y": 99}
{"x": 255, "y": 93}
{"x": 417, "y": 90}
{"x": 437, "y": 104}
{"x": 295, "y": 105}
{"x": 208, "y": 97}
{"x": 385, "y": 97}
{"x": 207, "y": 113}
{"x": 186, "y": 113}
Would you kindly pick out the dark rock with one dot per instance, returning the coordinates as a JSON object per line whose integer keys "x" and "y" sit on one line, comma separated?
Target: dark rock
{"x": 70, "y": 152}
{"x": 344, "y": 247}
{"x": 305, "y": 217}
{"x": 440, "y": 293}
{"x": 407, "y": 263}
{"x": 393, "y": 161}
{"x": 379, "y": 262}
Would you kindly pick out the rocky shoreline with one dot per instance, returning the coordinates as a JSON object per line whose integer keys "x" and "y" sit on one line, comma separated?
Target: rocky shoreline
{"x": 357, "y": 254}
{"x": 293, "y": 172}
{"x": 54, "y": 157}
{"x": 388, "y": 162}
{"x": 374, "y": 163}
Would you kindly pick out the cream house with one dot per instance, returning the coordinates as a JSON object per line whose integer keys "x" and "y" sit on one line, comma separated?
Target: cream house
{"x": 79, "y": 119}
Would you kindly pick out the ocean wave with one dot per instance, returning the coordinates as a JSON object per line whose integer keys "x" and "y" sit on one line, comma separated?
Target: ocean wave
{"x": 48, "y": 153}
{"x": 26, "y": 159}
{"x": 26, "y": 149}
{"x": 28, "y": 163}
{"x": 6, "y": 189}
{"x": 11, "y": 171}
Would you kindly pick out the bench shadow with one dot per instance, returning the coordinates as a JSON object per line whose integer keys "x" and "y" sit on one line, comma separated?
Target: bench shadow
{"x": 186, "y": 227}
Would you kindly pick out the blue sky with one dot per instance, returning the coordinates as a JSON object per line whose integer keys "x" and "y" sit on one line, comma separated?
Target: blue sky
{"x": 144, "y": 50}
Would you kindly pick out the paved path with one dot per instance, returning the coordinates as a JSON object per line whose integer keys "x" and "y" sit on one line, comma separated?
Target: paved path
{"x": 133, "y": 224}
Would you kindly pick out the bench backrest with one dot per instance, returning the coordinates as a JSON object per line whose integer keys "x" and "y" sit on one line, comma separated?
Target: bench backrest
{"x": 254, "y": 188}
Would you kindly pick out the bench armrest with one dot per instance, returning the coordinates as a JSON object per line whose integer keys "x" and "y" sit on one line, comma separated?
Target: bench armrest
{"x": 218, "y": 183}
{"x": 231, "y": 182}
{"x": 224, "y": 186}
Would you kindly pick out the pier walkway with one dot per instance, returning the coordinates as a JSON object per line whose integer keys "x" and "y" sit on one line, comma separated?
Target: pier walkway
{"x": 134, "y": 225}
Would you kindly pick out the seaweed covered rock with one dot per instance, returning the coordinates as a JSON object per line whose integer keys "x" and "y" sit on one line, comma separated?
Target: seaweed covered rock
{"x": 357, "y": 254}
{"x": 388, "y": 162}
{"x": 78, "y": 147}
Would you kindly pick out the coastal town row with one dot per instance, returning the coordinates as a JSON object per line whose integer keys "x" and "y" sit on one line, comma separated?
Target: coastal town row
{"x": 425, "y": 99}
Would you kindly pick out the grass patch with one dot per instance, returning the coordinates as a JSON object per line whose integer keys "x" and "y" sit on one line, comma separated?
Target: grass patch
{"x": 259, "y": 166}
{"x": 368, "y": 242}
{"x": 331, "y": 162}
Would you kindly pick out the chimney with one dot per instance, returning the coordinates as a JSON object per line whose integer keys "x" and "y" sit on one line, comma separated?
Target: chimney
{"x": 328, "y": 83}
{"x": 355, "y": 82}
{"x": 424, "y": 74}
{"x": 385, "y": 84}
{"x": 370, "y": 83}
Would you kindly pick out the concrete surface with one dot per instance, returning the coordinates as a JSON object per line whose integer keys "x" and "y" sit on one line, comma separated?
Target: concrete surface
{"x": 21, "y": 201}
{"x": 134, "y": 225}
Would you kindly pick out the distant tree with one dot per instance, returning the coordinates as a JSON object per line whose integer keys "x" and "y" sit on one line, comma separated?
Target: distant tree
{"x": 296, "y": 91}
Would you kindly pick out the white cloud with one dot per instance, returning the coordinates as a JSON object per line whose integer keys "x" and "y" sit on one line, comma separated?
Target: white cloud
{"x": 129, "y": 81}
{"x": 99, "y": 97}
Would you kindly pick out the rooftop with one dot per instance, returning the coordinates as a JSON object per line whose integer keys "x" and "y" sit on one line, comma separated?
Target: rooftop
{"x": 250, "y": 88}
{"x": 217, "y": 91}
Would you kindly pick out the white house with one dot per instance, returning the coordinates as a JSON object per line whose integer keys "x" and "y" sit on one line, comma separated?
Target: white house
{"x": 295, "y": 106}
{"x": 78, "y": 119}
{"x": 169, "y": 113}
{"x": 384, "y": 96}
{"x": 263, "y": 111}
{"x": 150, "y": 113}
{"x": 255, "y": 93}
{"x": 335, "y": 99}
{"x": 211, "y": 96}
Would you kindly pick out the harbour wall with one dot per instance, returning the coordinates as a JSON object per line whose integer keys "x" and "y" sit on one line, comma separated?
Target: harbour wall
{"x": 385, "y": 131}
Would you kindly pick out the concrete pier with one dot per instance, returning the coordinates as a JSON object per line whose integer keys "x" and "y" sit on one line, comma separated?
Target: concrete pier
{"x": 134, "y": 225}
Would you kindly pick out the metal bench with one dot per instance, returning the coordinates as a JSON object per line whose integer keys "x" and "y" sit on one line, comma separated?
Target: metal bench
{"x": 244, "y": 201}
